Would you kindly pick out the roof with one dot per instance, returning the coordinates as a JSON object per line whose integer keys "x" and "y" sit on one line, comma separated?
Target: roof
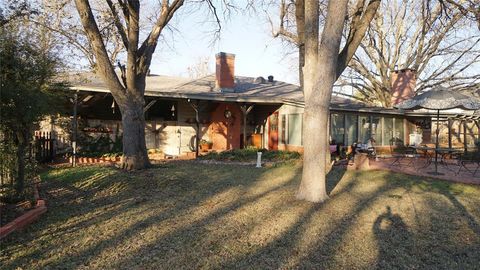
{"x": 89, "y": 81}
{"x": 247, "y": 89}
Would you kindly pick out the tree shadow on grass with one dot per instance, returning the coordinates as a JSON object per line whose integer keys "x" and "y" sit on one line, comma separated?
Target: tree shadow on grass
{"x": 204, "y": 185}
{"x": 334, "y": 176}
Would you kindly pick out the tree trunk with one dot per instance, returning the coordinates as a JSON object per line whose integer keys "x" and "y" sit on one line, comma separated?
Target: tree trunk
{"x": 20, "y": 179}
{"x": 135, "y": 154}
{"x": 313, "y": 185}
{"x": 320, "y": 75}
{"x": 300, "y": 20}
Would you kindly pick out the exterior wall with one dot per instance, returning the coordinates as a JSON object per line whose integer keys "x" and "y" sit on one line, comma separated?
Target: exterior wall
{"x": 225, "y": 133}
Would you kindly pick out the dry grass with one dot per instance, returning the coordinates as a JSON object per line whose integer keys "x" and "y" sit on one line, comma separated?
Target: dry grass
{"x": 189, "y": 216}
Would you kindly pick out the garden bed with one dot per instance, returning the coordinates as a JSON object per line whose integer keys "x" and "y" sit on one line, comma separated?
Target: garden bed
{"x": 249, "y": 156}
{"x": 9, "y": 212}
{"x": 16, "y": 217}
{"x": 94, "y": 160}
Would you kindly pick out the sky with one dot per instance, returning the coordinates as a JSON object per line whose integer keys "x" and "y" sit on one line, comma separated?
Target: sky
{"x": 249, "y": 37}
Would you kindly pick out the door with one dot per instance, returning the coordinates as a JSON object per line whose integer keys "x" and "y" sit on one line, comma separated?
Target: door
{"x": 273, "y": 131}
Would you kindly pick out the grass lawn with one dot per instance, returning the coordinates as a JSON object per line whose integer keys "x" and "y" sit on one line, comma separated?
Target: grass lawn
{"x": 185, "y": 215}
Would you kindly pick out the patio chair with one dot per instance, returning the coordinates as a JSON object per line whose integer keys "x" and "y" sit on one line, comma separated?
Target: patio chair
{"x": 472, "y": 158}
{"x": 400, "y": 152}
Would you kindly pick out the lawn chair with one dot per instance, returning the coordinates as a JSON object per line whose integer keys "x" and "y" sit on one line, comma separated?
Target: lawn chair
{"x": 400, "y": 152}
{"x": 469, "y": 158}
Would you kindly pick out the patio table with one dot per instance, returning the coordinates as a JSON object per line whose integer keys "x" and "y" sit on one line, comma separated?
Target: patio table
{"x": 429, "y": 153}
{"x": 425, "y": 151}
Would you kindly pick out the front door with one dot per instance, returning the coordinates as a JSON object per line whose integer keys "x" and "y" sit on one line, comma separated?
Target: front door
{"x": 273, "y": 131}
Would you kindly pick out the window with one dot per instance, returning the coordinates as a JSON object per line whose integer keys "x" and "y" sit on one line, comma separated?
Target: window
{"x": 295, "y": 129}
{"x": 337, "y": 129}
{"x": 399, "y": 130}
{"x": 364, "y": 129}
{"x": 388, "y": 131}
{"x": 351, "y": 126}
{"x": 377, "y": 129}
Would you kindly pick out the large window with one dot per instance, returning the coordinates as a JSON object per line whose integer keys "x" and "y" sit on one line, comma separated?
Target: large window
{"x": 388, "y": 131}
{"x": 295, "y": 129}
{"x": 337, "y": 129}
{"x": 351, "y": 126}
{"x": 399, "y": 131}
{"x": 377, "y": 129}
{"x": 364, "y": 128}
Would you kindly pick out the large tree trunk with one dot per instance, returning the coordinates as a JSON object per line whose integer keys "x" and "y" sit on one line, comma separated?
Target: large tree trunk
{"x": 135, "y": 154}
{"x": 320, "y": 75}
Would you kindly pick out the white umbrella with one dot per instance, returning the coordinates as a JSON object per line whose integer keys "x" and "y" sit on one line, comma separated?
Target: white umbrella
{"x": 440, "y": 99}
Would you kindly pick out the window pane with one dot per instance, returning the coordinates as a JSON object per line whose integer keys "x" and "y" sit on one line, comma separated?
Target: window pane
{"x": 295, "y": 129}
{"x": 377, "y": 129}
{"x": 351, "y": 125}
{"x": 388, "y": 131}
{"x": 364, "y": 133}
{"x": 336, "y": 128}
{"x": 283, "y": 129}
{"x": 399, "y": 130}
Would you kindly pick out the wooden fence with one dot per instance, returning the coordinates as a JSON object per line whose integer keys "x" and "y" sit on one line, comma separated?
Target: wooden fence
{"x": 43, "y": 147}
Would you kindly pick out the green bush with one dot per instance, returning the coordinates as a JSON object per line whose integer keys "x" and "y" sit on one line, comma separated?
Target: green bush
{"x": 250, "y": 154}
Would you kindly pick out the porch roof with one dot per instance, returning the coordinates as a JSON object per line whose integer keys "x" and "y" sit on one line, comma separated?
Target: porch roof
{"x": 247, "y": 89}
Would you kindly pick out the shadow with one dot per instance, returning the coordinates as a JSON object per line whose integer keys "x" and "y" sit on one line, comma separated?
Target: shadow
{"x": 394, "y": 240}
{"x": 189, "y": 215}
{"x": 176, "y": 194}
{"x": 334, "y": 177}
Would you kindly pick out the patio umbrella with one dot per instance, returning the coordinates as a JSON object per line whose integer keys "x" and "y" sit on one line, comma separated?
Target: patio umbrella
{"x": 439, "y": 99}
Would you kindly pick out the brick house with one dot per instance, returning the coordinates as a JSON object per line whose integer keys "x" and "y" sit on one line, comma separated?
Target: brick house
{"x": 262, "y": 112}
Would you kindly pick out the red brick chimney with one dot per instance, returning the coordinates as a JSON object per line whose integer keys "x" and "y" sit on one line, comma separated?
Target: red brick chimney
{"x": 225, "y": 70}
{"x": 403, "y": 85}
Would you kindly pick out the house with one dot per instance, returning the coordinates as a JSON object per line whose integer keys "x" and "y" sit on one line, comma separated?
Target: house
{"x": 231, "y": 111}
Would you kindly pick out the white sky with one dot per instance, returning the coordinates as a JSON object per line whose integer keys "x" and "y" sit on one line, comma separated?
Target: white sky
{"x": 247, "y": 36}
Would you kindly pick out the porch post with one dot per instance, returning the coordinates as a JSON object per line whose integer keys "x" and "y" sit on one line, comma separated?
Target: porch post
{"x": 197, "y": 124}
{"x": 449, "y": 133}
{"x": 74, "y": 133}
{"x": 245, "y": 110}
{"x": 465, "y": 135}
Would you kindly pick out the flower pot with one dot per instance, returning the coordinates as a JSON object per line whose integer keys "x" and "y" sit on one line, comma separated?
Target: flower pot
{"x": 205, "y": 146}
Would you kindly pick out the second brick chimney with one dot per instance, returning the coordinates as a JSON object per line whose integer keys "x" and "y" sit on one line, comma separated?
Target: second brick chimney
{"x": 403, "y": 85}
{"x": 225, "y": 71}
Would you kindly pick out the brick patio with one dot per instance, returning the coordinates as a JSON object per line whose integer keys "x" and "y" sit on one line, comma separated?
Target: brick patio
{"x": 449, "y": 172}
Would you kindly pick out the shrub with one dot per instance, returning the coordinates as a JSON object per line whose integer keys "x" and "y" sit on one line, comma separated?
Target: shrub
{"x": 250, "y": 154}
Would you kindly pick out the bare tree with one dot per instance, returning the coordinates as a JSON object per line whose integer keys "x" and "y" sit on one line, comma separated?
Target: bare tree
{"x": 128, "y": 88}
{"x": 441, "y": 48}
{"x": 320, "y": 73}
{"x": 291, "y": 28}
{"x": 469, "y": 8}
{"x": 200, "y": 68}
{"x": 319, "y": 67}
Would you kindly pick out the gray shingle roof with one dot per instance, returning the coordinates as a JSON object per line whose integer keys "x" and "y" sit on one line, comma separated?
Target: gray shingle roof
{"x": 246, "y": 88}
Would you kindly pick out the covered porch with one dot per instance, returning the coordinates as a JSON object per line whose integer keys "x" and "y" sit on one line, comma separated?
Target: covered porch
{"x": 178, "y": 126}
